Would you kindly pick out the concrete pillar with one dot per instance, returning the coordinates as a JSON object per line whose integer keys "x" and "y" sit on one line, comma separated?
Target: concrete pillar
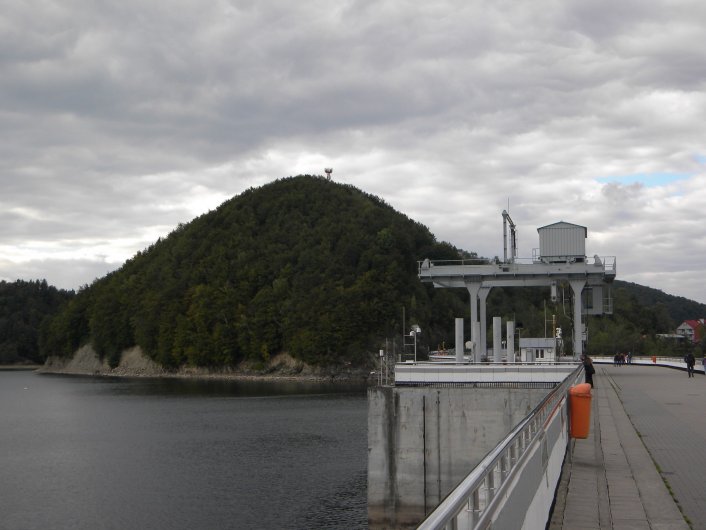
{"x": 483, "y": 296}
{"x": 473, "y": 289}
{"x": 476, "y": 344}
{"x": 510, "y": 341}
{"x": 459, "y": 340}
{"x": 497, "y": 339}
{"x": 577, "y": 288}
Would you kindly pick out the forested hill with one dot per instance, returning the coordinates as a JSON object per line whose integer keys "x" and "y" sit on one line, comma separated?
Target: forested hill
{"x": 316, "y": 269}
{"x": 303, "y": 265}
{"x": 678, "y": 307}
{"x": 23, "y": 307}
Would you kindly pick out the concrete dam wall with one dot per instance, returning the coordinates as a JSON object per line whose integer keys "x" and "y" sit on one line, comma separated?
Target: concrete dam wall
{"x": 423, "y": 441}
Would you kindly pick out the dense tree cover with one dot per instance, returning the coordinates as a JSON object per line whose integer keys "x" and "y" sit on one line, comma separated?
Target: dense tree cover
{"x": 23, "y": 307}
{"x": 678, "y": 308}
{"x": 303, "y": 265}
{"x": 640, "y": 313}
{"x": 310, "y": 267}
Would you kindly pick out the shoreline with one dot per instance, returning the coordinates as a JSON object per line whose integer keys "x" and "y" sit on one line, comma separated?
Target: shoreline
{"x": 133, "y": 363}
{"x": 214, "y": 376}
{"x": 19, "y": 367}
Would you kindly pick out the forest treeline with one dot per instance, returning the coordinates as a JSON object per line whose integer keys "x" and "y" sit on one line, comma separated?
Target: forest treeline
{"x": 314, "y": 268}
{"x": 24, "y": 305}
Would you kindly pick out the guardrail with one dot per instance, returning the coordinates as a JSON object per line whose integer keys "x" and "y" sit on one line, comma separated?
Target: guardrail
{"x": 608, "y": 262}
{"x": 668, "y": 362}
{"x": 423, "y": 373}
{"x": 480, "y": 497}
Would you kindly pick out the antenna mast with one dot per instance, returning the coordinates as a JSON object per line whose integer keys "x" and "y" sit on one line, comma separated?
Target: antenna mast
{"x": 513, "y": 237}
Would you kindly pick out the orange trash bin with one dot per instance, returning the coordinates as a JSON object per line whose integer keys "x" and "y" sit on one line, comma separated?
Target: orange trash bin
{"x": 580, "y": 410}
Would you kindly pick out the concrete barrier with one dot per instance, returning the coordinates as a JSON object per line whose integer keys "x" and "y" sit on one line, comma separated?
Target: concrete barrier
{"x": 514, "y": 485}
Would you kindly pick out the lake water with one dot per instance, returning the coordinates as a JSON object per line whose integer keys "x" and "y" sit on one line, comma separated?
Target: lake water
{"x": 97, "y": 453}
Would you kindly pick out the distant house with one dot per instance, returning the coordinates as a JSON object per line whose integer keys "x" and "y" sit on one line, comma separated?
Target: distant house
{"x": 692, "y": 330}
{"x": 537, "y": 350}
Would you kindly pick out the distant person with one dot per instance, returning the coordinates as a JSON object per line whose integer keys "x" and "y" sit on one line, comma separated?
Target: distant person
{"x": 588, "y": 369}
{"x": 690, "y": 361}
{"x": 704, "y": 363}
{"x": 616, "y": 359}
{"x": 629, "y": 357}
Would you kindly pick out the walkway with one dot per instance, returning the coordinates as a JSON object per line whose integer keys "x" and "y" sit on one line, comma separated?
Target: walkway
{"x": 611, "y": 481}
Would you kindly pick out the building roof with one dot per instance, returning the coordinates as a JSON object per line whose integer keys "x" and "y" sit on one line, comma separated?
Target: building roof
{"x": 693, "y": 329}
{"x": 564, "y": 224}
{"x": 537, "y": 342}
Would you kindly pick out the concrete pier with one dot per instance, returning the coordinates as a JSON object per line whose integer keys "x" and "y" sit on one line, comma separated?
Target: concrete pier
{"x": 642, "y": 465}
{"x": 423, "y": 441}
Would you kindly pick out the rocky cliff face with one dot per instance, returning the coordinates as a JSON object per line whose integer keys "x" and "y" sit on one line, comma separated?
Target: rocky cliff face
{"x": 134, "y": 363}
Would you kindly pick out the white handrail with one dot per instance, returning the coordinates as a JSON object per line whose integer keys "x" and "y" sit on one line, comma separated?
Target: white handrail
{"x": 473, "y": 501}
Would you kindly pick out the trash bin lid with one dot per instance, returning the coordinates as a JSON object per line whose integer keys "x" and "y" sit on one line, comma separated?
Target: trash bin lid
{"x": 582, "y": 389}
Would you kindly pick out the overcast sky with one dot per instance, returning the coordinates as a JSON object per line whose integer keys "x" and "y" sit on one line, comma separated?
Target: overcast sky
{"x": 121, "y": 119}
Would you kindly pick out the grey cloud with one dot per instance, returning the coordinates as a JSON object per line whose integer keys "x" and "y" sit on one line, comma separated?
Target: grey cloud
{"x": 60, "y": 273}
{"x": 119, "y": 116}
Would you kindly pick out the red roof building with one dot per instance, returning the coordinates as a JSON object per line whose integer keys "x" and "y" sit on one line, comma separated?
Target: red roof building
{"x": 692, "y": 330}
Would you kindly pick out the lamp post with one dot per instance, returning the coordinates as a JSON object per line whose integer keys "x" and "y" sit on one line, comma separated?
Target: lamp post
{"x": 413, "y": 333}
{"x": 382, "y": 354}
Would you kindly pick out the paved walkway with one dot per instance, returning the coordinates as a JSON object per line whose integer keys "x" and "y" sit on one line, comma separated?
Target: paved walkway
{"x": 668, "y": 409}
{"x": 609, "y": 479}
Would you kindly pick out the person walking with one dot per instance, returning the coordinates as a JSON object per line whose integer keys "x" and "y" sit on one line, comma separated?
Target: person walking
{"x": 588, "y": 369}
{"x": 704, "y": 363}
{"x": 690, "y": 361}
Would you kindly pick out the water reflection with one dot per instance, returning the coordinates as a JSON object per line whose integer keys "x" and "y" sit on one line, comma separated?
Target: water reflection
{"x": 86, "y": 453}
{"x": 184, "y": 387}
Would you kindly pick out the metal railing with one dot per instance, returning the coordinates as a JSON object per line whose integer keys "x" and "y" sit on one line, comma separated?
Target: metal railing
{"x": 609, "y": 263}
{"x": 491, "y": 364}
{"x": 425, "y": 264}
{"x": 647, "y": 360}
{"x": 477, "y": 498}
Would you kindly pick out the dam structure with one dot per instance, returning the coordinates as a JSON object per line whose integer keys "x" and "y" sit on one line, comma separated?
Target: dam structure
{"x": 561, "y": 257}
{"x": 480, "y": 439}
{"x": 425, "y": 440}
{"x": 428, "y": 469}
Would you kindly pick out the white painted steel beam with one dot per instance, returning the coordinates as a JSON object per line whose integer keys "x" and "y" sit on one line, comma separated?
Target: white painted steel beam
{"x": 479, "y": 279}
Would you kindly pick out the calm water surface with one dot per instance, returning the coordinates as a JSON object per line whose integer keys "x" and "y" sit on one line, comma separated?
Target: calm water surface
{"x": 94, "y": 453}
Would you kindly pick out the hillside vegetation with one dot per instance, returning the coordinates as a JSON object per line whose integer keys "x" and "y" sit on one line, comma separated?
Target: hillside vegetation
{"x": 23, "y": 307}
{"x": 639, "y": 314}
{"x": 318, "y": 270}
{"x": 303, "y": 265}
